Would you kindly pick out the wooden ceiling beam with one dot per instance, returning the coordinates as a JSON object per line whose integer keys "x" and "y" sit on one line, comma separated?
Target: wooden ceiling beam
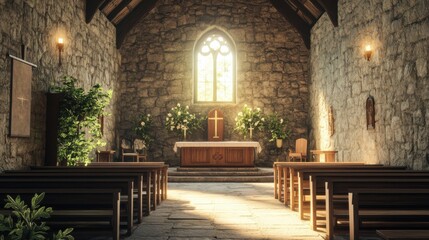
{"x": 331, "y": 8}
{"x": 106, "y": 2}
{"x": 91, "y": 8}
{"x": 118, "y": 9}
{"x": 128, "y": 22}
{"x": 304, "y": 10}
{"x": 292, "y": 17}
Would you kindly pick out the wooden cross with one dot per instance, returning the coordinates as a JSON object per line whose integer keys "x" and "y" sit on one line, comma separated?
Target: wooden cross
{"x": 216, "y": 120}
{"x": 22, "y": 99}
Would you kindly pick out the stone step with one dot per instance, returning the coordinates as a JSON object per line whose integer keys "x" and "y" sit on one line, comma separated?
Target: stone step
{"x": 226, "y": 173}
{"x": 221, "y": 179}
{"x": 217, "y": 169}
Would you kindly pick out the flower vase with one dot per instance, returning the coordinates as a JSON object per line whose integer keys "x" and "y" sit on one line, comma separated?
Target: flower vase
{"x": 279, "y": 143}
{"x": 250, "y": 133}
{"x": 184, "y": 134}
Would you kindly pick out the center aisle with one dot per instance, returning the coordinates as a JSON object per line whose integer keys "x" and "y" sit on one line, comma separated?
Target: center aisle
{"x": 222, "y": 211}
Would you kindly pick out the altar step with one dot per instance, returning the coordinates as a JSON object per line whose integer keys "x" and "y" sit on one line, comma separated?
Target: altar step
{"x": 218, "y": 169}
{"x": 220, "y": 175}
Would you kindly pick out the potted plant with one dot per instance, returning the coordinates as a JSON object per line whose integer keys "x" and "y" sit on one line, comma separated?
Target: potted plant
{"x": 79, "y": 130}
{"x": 179, "y": 120}
{"x": 277, "y": 127}
{"x": 249, "y": 120}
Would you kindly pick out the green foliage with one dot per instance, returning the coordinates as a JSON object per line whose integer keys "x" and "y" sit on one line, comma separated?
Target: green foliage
{"x": 79, "y": 130}
{"x": 249, "y": 118}
{"x": 179, "y": 118}
{"x": 26, "y": 222}
{"x": 144, "y": 125}
{"x": 277, "y": 127}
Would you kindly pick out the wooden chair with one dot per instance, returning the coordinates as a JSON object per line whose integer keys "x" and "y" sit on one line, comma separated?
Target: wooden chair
{"x": 300, "y": 150}
{"x": 128, "y": 151}
{"x": 140, "y": 149}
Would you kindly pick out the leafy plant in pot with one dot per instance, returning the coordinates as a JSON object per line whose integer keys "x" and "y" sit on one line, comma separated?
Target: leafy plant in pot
{"x": 79, "y": 129}
{"x": 277, "y": 127}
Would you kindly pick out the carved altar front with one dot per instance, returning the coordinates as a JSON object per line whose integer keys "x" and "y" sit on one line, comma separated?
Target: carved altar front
{"x": 217, "y": 154}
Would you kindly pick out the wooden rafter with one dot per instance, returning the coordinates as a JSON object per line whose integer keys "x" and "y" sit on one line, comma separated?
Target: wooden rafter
{"x": 124, "y": 26}
{"x": 300, "y": 25}
{"x": 118, "y": 9}
{"x": 304, "y": 10}
{"x": 331, "y": 8}
{"x": 106, "y": 2}
{"x": 91, "y": 8}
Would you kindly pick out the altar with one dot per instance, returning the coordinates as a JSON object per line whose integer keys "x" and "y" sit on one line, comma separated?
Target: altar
{"x": 217, "y": 154}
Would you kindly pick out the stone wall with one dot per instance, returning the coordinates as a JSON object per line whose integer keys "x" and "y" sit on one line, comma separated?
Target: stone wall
{"x": 397, "y": 77}
{"x": 89, "y": 55}
{"x": 156, "y": 71}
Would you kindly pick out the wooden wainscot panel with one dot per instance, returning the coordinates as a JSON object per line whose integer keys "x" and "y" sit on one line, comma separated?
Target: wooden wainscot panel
{"x": 217, "y": 156}
{"x": 194, "y": 156}
{"x": 239, "y": 156}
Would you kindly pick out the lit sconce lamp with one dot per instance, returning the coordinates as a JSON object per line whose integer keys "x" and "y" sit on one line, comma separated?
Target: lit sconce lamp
{"x": 368, "y": 52}
{"x": 60, "y": 46}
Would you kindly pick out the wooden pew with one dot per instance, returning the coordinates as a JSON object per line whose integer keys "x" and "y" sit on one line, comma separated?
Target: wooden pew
{"x": 76, "y": 207}
{"x": 162, "y": 174}
{"x": 148, "y": 172}
{"x": 303, "y": 188}
{"x": 403, "y": 234}
{"x": 125, "y": 185}
{"x": 337, "y": 193}
{"x": 393, "y": 208}
{"x": 138, "y": 182}
{"x": 284, "y": 177}
{"x": 318, "y": 193}
{"x": 289, "y": 180}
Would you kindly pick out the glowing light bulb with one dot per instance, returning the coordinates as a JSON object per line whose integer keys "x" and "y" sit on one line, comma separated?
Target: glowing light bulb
{"x": 368, "y": 48}
{"x": 60, "y": 40}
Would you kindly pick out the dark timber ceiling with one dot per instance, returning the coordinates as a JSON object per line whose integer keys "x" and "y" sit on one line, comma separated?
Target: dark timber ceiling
{"x": 124, "y": 14}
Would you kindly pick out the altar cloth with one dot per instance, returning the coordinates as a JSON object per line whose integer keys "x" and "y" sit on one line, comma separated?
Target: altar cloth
{"x": 219, "y": 144}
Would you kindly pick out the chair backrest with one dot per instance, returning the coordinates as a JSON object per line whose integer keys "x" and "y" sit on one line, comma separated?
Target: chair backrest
{"x": 126, "y": 146}
{"x": 139, "y": 144}
{"x": 301, "y": 146}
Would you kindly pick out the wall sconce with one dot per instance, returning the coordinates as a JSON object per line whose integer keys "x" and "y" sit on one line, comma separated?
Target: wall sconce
{"x": 60, "y": 46}
{"x": 368, "y": 52}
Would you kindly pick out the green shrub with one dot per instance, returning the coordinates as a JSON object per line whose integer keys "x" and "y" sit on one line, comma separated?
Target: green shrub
{"x": 25, "y": 223}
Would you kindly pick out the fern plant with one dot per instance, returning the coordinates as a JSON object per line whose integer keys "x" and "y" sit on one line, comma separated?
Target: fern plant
{"x": 26, "y": 222}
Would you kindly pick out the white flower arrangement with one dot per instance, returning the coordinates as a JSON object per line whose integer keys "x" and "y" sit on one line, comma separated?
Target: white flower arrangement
{"x": 143, "y": 128}
{"x": 180, "y": 119}
{"x": 248, "y": 119}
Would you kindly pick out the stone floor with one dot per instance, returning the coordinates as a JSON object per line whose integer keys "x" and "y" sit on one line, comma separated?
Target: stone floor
{"x": 222, "y": 211}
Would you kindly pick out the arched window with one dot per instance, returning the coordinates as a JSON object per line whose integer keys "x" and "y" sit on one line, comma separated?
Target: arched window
{"x": 214, "y": 65}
